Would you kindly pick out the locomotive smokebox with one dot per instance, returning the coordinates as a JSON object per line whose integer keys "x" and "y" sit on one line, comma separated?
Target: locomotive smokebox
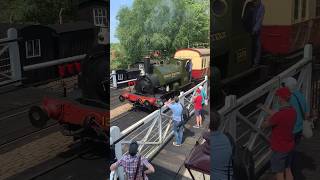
{"x": 147, "y": 66}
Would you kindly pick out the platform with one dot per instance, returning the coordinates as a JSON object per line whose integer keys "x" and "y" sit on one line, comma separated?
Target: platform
{"x": 169, "y": 162}
{"x": 307, "y": 164}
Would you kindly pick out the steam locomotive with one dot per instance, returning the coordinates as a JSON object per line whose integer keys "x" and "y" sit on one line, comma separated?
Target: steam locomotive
{"x": 162, "y": 79}
{"x": 85, "y": 117}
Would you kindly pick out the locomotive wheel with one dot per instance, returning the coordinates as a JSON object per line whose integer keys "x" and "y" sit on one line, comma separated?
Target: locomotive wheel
{"x": 121, "y": 98}
{"x": 88, "y": 122}
{"x": 38, "y": 117}
{"x": 147, "y": 105}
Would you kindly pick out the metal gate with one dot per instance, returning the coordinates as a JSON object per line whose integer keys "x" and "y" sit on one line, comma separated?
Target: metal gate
{"x": 151, "y": 132}
{"x": 10, "y": 69}
{"x": 243, "y": 120}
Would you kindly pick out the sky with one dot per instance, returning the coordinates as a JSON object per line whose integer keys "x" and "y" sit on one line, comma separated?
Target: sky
{"x": 115, "y": 6}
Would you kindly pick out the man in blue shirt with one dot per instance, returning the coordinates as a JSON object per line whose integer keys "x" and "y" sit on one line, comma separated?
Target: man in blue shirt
{"x": 176, "y": 109}
{"x": 258, "y": 19}
{"x": 221, "y": 151}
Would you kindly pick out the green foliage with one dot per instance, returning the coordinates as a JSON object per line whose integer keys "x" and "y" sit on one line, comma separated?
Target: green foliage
{"x": 36, "y": 11}
{"x": 162, "y": 25}
{"x": 120, "y": 61}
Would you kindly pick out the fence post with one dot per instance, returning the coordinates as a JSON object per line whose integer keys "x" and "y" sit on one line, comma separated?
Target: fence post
{"x": 114, "y": 135}
{"x": 160, "y": 126}
{"x": 181, "y": 100}
{"x": 14, "y": 55}
{"x": 205, "y": 85}
{"x": 231, "y": 123}
{"x": 114, "y": 78}
{"x": 308, "y": 72}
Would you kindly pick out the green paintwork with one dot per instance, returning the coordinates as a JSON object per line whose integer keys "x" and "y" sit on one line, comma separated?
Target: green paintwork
{"x": 171, "y": 72}
{"x": 230, "y": 39}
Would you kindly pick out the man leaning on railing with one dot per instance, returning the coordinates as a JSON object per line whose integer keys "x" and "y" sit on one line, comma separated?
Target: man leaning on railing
{"x": 133, "y": 164}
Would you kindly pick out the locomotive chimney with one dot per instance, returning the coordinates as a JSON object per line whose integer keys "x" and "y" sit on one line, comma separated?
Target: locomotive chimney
{"x": 147, "y": 68}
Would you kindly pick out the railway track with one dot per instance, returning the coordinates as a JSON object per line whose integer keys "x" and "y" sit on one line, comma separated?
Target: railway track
{"x": 15, "y": 127}
{"x": 28, "y": 136}
{"x": 63, "y": 166}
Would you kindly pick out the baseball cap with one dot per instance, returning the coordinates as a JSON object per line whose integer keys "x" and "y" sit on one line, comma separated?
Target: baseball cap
{"x": 291, "y": 83}
{"x": 283, "y": 93}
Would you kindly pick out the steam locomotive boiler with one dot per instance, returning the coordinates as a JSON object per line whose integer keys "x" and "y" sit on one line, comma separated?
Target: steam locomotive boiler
{"x": 161, "y": 80}
{"x": 84, "y": 117}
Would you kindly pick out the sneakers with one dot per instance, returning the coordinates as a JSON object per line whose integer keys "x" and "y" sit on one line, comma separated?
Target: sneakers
{"x": 195, "y": 126}
{"x": 175, "y": 144}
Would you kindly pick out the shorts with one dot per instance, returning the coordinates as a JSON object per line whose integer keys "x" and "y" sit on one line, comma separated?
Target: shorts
{"x": 197, "y": 112}
{"x": 297, "y": 137}
{"x": 280, "y": 161}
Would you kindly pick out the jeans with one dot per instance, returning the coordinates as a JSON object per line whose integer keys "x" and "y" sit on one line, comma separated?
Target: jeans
{"x": 178, "y": 131}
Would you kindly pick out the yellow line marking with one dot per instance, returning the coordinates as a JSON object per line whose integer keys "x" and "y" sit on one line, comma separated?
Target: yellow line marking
{"x": 119, "y": 110}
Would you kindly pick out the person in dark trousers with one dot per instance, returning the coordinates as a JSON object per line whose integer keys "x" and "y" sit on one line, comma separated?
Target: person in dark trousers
{"x": 221, "y": 166}
{"x": 133, "y": 164}
{"x": 282, "y": 123}
{"x": 258, "y": 15}
{"x": 189, "y": 69}
{"x": 177, "y": 110}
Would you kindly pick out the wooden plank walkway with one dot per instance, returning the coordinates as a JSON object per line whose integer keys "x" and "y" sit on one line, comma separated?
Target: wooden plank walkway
{"x": 169, "y": 162}
{"x": 307, "y": 162}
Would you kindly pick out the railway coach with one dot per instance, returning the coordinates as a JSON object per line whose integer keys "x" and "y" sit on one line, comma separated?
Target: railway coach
{"x": 289, "y": 25}
{"x": 200, "y": 58}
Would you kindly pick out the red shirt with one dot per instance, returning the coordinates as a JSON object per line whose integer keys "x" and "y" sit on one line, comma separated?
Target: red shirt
{"x": 198, "y": 102}
{"x": 283, "y": 123}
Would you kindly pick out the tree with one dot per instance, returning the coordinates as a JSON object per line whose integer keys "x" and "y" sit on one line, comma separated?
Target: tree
{"x": 162, "y": 25}
{"x": 36, "y": 11}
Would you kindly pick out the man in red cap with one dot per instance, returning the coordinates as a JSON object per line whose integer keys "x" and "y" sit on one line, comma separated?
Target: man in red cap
{"x": 197, "y": 99}
{"x": 282, "y": 141}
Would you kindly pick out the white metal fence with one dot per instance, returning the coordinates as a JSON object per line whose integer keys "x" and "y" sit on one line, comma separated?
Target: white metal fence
{"x": 151, "y": 132}
{"x": 10, "y": 69}
{"x": 243, "y": 120}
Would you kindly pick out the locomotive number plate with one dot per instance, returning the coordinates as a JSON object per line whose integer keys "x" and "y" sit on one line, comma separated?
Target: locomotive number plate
{"x": 171, "y": 75}
{"x": 219, "y": 36}
{"x": 241, "y": 55}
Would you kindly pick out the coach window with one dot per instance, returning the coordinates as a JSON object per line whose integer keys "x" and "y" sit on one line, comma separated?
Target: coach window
{"x": 33, "y": 48}
{"x": 303, "y": 11}
{"x": 202, "y": 63}
{"x": 296, "y": 10}
{"x": 120, "y": 77}
{"x": 100, "y": 17}
{"x": 318, "y": 8}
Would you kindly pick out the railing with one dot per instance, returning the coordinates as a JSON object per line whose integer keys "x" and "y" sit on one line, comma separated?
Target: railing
{"x": 151, "y": 132}
{"x": 113, "y": 80}
{"x": 243, "y": 120}
{"x": 10, "y": 69}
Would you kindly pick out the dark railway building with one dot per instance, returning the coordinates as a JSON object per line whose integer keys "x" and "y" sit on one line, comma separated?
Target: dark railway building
{"x": 44, "y": 43}
{"x": 95, "y": 12}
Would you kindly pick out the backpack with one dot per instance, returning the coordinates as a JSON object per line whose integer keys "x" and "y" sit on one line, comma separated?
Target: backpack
{"x": 185, "y": 116}
{"x": 242, "y": 161}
